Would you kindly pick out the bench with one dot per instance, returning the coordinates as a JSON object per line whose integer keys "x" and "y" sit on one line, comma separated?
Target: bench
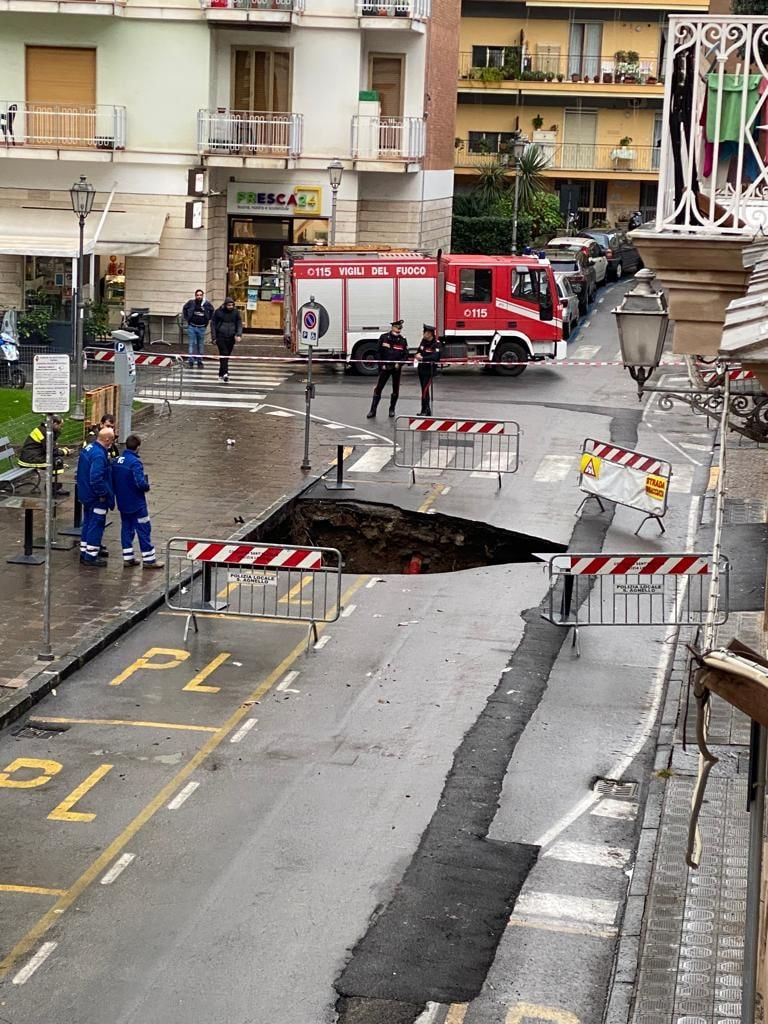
{"x": 10, "y": 472}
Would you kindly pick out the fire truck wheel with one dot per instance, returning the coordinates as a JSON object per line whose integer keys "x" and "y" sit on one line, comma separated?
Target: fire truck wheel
{"x": 507, "y": 355}
{"x": 365, "y": 354}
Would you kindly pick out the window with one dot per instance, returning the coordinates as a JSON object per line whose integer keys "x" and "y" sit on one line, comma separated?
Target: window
{"x": 584, "y": 49}
{"x": 530, "y": 285}
{"x": 385, "y": 76}
{"x": 490, "y": 142}
{"x": 488, "y": 56}
{"x": 261, "y": 80}
{"x": 61, "y": 75}
{"x": 475, "y": 286}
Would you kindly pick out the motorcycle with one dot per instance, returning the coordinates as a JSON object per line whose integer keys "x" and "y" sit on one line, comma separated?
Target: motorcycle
{"x": 136, "y": 323}
{"x": 11, "y": 374}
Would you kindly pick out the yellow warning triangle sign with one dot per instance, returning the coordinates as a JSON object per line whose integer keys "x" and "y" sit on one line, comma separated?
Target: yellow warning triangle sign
{"x": 590, "y": 465}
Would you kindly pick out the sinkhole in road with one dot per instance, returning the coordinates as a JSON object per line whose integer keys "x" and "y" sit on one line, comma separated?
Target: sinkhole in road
{"x": 380, "y": 538}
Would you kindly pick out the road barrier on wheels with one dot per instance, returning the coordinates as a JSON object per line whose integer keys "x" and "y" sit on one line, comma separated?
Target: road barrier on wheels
{"x": 634, "y": 590}
{"x": 241, "y": 579}
{"x": 477, "y": 446}
{"x": 158, "y": 378}
{"x": 626, "y": 477}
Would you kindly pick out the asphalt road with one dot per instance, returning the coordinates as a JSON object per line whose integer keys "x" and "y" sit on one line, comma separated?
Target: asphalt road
{"x": 236, "y": 832}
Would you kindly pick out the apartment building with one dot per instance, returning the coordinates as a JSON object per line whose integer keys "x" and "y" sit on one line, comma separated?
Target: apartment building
{"x": 257, "y": 97}
{"x": 584, "y": 80}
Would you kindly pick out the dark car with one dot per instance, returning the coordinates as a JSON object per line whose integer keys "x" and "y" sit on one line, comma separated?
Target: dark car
{"x": 623, "y": 258}
{"x": 570, "y": 260}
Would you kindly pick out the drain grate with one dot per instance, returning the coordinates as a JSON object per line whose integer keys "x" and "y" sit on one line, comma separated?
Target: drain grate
{"x": 735, "y": 511}
{"x": 616, "y": 789}
{"x": 37, "y": 728}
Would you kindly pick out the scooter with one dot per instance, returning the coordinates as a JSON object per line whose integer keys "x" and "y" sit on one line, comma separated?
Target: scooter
{"x": 137, "y": 325}
{"x": 11, "y": 374}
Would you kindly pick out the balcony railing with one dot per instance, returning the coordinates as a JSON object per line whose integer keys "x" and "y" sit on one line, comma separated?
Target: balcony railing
{"x": 513, "y": 64}
{"x": 565, "y": 156}
{"x": 714, "y": 159}
{"x": 281, "y": 6}
{"x": 249, "y": 132}
{"x": 388, "y": 138}
{"x": 418, "y": 10}
{"x": 61, "y": 126}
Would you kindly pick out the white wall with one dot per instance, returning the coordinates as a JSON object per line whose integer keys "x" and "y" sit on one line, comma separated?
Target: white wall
{"x": 414, "y": 48}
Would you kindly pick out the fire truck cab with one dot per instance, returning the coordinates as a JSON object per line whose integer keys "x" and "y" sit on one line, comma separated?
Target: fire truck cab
{"x": 503, "y": 310}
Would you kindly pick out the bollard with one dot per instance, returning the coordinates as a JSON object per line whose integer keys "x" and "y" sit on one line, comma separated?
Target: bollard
{"x": 339, "y": 485}
{"x": 77, "y": 520}
{"x": 28, "y": 558}
{"x": 210, "y": 602}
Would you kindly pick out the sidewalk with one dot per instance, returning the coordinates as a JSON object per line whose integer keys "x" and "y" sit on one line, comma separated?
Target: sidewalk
{"x": 200, "y": 487}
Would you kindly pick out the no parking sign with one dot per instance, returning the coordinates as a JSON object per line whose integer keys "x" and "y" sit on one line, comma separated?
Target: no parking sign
{"x": 309, "y": 325}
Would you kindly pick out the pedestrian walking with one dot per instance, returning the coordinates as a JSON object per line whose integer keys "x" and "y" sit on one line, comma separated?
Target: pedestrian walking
{"x": 33, "y": 454}
{"x": 427, "y": 359}
{"x": 95, "y": 490}
{"x": 393, "y": 354}
{"x": 196, "y": 314}
{"x": 131, "y": 487}
{"x": 227, "y": 327}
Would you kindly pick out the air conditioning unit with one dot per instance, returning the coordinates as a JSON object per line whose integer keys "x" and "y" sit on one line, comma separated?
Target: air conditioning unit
{"x": 636, "y": 103}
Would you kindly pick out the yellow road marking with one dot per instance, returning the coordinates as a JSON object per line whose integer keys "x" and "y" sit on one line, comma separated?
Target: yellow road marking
{"x": 105, "y": 858}
{"x": 521, "y": 1012}
{"x": 32, "y": 890}
{"x": 456, "y": 1013}
{"x": 295, "y": 590}
{"x": 196, "y": 683}
{"x": 145, "y": 661}
{"x": 434, "y": 493}
{"x": 714, "y": 476}
{"x": 239, "y": 618}
{"x": 226, "y": 591}
{"x": 125, "y": 721}
{"x": 344, "y": 455}
{"x": 48, "y": 768}
{"x": 64, "y": 812}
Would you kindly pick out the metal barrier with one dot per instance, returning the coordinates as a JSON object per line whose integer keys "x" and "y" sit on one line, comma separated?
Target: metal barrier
{"x": 625, "y": 476}
{"x": 261, "y": 581}
{"x": 476, "y": 446}
{"x": 634, "y": 590}
{"x": 158, "y": 378}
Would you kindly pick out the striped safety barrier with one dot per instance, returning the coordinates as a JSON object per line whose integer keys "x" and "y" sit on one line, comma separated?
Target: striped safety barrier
{"x": 456, "y": 426}
{"x": 480, "y": 447}
{"x": 622, "y": 456}
{"x": 627, "y": 477}
{"x": 103, "y": 355}
{"x": 252, "y": 554}
{"x": 642, "y": 565}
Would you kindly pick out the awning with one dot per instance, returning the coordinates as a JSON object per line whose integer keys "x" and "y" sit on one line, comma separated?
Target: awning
{"x": 36, "y": 232}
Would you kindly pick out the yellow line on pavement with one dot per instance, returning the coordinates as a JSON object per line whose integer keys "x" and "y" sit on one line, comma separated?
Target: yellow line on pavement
{"x": 32, "y": 890}
{"x": 434, "y": 493}
{"x": 40, "y": 723}
{"x": 593, "y": 930}
{"x": 240, "y": 618}
{"x": 457, "y": 1013}
{"x": 294, "y": 590}
{"x": 106, "y": 857}
{"x": 714, "y": 476}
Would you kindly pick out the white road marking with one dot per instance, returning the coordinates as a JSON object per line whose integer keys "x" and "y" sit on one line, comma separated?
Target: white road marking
{"x": 563, "y": 907}
{"x": 180, "y": 797}
{"x": 429, "y": 1014}
{"x": 585, "y": 351}
{"x": 279, "y": 412}
{"x": 244, "y": 729}
{"x": 334, "y": 426}
{"x": 40, "y": 957}
{"x": 118, "y": 868}
{"x": 372, "y": 583}
{"x": 554, "y": 468}
{"x": 364, "y": 437}
{"x": 589, "y": 853}
{"x": 569, "y": 928}
{"x": 348, "y": 611}
{"x": 286, "y": 682}
{"x": 373, "y": 461}
{"x": 322, "y": 642}
{"x": 207, "y": 403}
{"x": 682, "y": 480}
{"x": 615, "y": 809}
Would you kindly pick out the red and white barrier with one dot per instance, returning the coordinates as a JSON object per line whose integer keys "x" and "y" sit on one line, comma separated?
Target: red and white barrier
{"x": 254, "y": 554}
{"x": 455, "y": 426}
{"x": 631, "y": 565}
{"x": 623, "y": 457}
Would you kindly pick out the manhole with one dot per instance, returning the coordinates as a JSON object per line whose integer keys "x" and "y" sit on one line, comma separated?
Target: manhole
{"x": 374, "y": 538}
{"x": 37, "y": 728}
{"x": 616, "y": 789}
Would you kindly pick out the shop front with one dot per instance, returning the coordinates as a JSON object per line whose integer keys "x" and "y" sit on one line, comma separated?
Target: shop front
{"x": 262, "y": 219}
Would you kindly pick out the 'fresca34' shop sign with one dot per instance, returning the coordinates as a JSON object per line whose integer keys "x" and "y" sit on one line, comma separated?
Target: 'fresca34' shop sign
{"x": 275, "y": 200}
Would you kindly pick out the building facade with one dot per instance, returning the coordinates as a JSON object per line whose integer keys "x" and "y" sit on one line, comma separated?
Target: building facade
{"x": 259, "y": 96}
{"x": 584, "y": 81}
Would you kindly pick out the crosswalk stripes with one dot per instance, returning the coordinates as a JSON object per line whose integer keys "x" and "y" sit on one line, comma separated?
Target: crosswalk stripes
{"x": 249, "y": 383}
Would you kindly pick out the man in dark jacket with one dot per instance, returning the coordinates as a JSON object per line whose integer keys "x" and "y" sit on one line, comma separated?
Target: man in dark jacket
{"x": 34, "y": 456}
{"x": 107, "y": 420}
{"x": 393, "y": 353}
{"x": 197, "y": 314}
{"x": 427, "y": 357}
{"x": 227, "y": 326}
{"x": 95, "y": 490}
{"x": 131, "y": 486}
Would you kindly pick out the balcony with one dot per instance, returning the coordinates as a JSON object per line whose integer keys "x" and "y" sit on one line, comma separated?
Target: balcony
{"x": 25, "y": 125}
{"x": 249, "y": 134}
{"x": 261, "y": 12}
{"x": 393, "y": 140}
{"x": 486, "y": 148}
{"x": 548, "y": 70}
{"x": 393, "y": 14}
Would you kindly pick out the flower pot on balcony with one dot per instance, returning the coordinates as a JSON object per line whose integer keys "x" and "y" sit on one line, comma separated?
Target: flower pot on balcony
{"x": 575, "y": 78}
{"x": 607, "y": 78}
{"x": 650, "y": 80}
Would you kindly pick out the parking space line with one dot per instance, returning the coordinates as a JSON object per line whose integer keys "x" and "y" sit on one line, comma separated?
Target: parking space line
{"x": 196, "y": 683}
{"x": 592, "y": 930}
{"x": 118, "y": 868}
{"x": 64, "y": 812}
{"x": 175, "y": 658}
{"x": 283, "y": 685}
{"x": 105, "y": 858}
{"x": 295, "y": 589}
{"x": 434, "y": 493}
{"x": 185, "y": 793}
{"x": 39, "y": 958}
{"x": 125, "y": 721}
{"x": 242, "y": 618}
{"x": 32, "y": 890}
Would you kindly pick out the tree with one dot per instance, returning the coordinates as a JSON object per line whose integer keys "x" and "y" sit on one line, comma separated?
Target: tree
{"x": 492, "y": 184}
{"x": 529, "y": 172}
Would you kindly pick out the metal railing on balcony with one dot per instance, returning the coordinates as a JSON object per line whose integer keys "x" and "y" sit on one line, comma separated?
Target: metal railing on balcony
{"x": 714, "y": 161}
{"x": 249, "y": 132}
{"x": 282, "y": 6}
{"x": 388, "y": 138}
{"x": 494, "y": 65}
{"x": 419, "y": 10}
{"x": 484, "y": 148}
{"x": 61, "y": 126}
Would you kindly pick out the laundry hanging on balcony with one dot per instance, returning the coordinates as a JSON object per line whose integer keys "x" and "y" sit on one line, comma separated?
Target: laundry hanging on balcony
{"x": 739, "y": 98}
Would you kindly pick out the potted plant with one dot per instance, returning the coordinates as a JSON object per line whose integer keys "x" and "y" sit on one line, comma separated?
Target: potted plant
{"x": 607, "y": 78}
{"x": 553, "y": 127}
{"x": 33, "y": 325}
{"x": 458, "y": 143}
{"x": 575, "y": 78}
{"x": 651, "y": 80}
{"x": 537, "y": 122}
{"x": 623, "y": 152}
{"x": 491, "y": 75}
{"x": 550, "y": 76}
{"x": 96, "y": 321}
{"x": 560, "y": 76}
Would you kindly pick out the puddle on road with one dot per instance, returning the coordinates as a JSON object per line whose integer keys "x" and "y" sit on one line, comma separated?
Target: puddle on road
{"x": 378, "y": 538}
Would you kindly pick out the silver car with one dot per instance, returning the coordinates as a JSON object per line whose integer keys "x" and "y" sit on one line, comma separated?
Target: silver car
{"x": 569, "y": 301}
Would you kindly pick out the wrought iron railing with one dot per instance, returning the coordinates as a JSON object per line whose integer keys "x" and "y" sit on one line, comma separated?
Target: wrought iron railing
{"x": 284, "y": 6}
{"x": 62, "y": 126}
{"x": 419, "y": 10}
{"x": 494, "y": 65}
{"x": 484, "y": 148}
{"x": 249, "y": 131}
{"x": 714, "y": 158}
{"x": 388, "y": 138}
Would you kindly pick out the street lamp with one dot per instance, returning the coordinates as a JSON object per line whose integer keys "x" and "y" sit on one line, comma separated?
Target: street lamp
{"x": 82, "y": 195}
{"x": 519, "y": 146}
{"x": 335, "y": 171}
{"x": 642, "y": 321}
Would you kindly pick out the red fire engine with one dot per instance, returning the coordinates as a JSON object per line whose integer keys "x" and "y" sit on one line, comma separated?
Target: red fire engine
{"x": 502, "y": 309}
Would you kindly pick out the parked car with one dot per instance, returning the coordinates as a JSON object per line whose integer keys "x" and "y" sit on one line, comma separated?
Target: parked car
{"x": 568, "y": 258}
{"x": 593, "y": 251}
{"x": 623, "y": 258}
{"x": 569, "y": 301}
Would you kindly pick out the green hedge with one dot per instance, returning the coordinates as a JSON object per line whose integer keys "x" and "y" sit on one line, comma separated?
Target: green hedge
{"x": 489, "y": 235}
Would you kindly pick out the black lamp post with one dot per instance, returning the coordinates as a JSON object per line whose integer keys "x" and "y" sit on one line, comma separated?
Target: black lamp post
{"x": 82, "y": 195}
{"x": 519, "y": 146}
{"x": 642, "y": 320}
{"x": 335, "y": 171}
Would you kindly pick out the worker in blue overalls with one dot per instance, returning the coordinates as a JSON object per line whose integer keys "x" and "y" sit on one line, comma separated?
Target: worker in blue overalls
{"x": 95, "y": 491}
{"x": 131, "y": 486}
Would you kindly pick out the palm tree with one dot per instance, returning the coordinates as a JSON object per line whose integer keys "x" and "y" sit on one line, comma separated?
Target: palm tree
{"x": 492, "y": 184}
{"x": 530, "y": 179}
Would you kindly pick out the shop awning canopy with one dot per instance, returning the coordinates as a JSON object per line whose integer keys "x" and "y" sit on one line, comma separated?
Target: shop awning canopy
{"x": 39, "y": 232}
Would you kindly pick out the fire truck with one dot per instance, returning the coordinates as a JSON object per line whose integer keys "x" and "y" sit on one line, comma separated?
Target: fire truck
{"x": 502, "y": 310}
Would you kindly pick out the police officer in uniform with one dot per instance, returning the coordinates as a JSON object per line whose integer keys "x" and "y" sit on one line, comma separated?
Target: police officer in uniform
{"x": 393, "y": 353}
{"x": 427, "y": 357}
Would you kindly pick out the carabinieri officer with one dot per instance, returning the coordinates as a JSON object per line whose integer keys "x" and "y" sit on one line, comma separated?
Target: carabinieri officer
{"x": 393, "y": 354}
{"x": 427, "y": 357}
